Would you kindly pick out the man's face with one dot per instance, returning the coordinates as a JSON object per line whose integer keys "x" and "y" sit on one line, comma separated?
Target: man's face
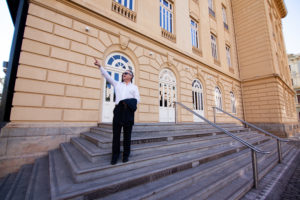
{"x": 127, "y": 76}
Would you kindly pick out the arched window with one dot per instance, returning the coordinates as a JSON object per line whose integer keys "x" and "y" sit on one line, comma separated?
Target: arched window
{"x": 218, "y": 98}
{"x": 119, "y": 61}
{"x": 197, "y": 94}
{"x": 232, "y": 100}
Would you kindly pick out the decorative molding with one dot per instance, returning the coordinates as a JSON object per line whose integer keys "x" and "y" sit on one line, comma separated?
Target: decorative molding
{"x": 199, "y": 72}
{"x": 197, "y": 51}
{"x": 281, "y": 7}
{"x": 124, "y": 41}
{"x": 170, "y": 59}
{"x": 194, "y": 16}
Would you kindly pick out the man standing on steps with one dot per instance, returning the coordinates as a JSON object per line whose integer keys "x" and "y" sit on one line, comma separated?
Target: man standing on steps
{"x": 127, "y": 97}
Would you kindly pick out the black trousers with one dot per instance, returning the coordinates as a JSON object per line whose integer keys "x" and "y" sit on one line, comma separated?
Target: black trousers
{"x": 121, "y": 116}
{"x": 117, "y": 128}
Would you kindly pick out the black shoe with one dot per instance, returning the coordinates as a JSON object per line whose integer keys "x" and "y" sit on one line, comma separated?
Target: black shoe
{"x": 114, "y": 160}
{"x": 125, "y": 159}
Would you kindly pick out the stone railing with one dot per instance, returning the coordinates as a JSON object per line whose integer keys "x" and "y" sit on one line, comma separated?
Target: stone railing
{"x": 122, "y": 10}
{"x": 168, "y": 35}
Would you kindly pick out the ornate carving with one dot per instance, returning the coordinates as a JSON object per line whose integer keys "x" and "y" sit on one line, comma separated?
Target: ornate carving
{"x": 124, "y": 41}
{"x": 170, "y": 59}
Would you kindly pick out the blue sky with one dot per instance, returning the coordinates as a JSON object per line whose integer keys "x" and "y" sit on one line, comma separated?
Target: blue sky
{"x": 291, "y": 30}
{"x": 291, "y": 27}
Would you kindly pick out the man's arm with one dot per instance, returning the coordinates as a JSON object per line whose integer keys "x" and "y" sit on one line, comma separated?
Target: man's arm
{"x": 105, "y": 74}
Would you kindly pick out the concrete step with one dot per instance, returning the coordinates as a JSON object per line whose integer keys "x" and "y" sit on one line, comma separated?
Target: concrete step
{"x": 204, "y": 187}
{"x": 273, "y": 184}
{"x": 19, "y": 186}
{"x": 94, "y": 153}
{"x": 177, "y": 182}
{"x": 84, "y": 170}
{"x": 124, "y": 176}
{"x": 235, "y": 179}
{"x": 103, "y": 140}
{"x": 239, "y": 187}
{"x": 169, "y": 126}
{"x": 6, "y": 183}
{"x": 139, "y": 130}
{"x": 39, "y": 184}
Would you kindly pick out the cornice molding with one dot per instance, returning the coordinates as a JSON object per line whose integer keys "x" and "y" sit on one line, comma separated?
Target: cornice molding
{"x": 281, "y": 7}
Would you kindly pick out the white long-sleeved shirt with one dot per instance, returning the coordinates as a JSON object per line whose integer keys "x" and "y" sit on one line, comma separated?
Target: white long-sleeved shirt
{"x": 122, "y": 90}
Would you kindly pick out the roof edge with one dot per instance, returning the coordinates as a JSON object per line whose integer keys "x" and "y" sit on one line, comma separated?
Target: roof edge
{"x": 281, "y": 7}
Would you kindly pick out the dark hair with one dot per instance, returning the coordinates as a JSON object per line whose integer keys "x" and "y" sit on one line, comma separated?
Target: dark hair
{"x": 131, "y": 75}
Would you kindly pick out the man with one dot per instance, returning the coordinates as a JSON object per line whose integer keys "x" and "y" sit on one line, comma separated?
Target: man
{"x": 127, "y": 97}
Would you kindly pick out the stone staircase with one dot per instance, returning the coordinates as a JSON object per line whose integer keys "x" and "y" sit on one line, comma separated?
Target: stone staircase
{"x": 168, "y": 161}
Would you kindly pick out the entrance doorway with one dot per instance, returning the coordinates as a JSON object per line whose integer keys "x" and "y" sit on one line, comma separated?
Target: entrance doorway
{"x": 167, "y": 96}
{"x": 197, "y": 96}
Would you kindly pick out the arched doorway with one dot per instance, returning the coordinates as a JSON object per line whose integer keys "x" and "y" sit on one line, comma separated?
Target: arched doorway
{"x": 115, "y": 64}
{"x": 167, "y": 95}
{"x": 197, "y": 95}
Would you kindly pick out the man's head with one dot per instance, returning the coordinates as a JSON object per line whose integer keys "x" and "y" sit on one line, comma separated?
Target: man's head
{"x": 127, "y": 76}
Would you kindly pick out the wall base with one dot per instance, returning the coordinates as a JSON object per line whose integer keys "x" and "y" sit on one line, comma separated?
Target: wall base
{"x": 281, "y": 130}
{"x": 23, "y": 143}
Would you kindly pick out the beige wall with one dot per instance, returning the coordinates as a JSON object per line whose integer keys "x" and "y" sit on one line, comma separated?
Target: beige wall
{"x": 266, "y": 83}
{"x": 57, "y": 81}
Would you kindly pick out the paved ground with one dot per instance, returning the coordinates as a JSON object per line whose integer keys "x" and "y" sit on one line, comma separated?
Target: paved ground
{"x": 292, "y": 189}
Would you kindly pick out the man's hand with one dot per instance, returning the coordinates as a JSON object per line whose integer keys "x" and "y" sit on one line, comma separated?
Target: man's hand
{"x": 97, "y": 63}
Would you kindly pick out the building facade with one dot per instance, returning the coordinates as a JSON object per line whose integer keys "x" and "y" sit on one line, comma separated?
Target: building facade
{"x": 203, "y": 53}
{"x": 294, "y": 65}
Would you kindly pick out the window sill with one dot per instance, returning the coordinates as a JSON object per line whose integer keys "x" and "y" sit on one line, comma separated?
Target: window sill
{"x": 217, "y": 62}
{"x": 168, "y": 35}
{"x": 122, "y": 10}
{"x": 197, "y": 51}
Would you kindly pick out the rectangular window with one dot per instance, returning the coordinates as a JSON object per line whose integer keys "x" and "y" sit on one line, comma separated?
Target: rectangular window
{"x": 194, "y": 34}
{"x": 224, "y": 17}
{"x": 298, "y": 98}
{"x": 127, "y": 3}
{"x": 166, "y": 15}
{"x": 214, "y": 46}
{"x": 211, "y": 8}
{"x": 228, "y": 56}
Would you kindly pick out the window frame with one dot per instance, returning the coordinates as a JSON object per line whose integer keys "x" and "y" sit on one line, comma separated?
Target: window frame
{"x": 228, "y": 55}
{"x": 214, "y": 46}
{"x": 225, "y": 19}
{"x": 195, "y": 34}
{"x": 197, "y": 95}
{"x": 298, "y": 98}
{"x": 211, "y": 9}
{"x": 168, "y": 11}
